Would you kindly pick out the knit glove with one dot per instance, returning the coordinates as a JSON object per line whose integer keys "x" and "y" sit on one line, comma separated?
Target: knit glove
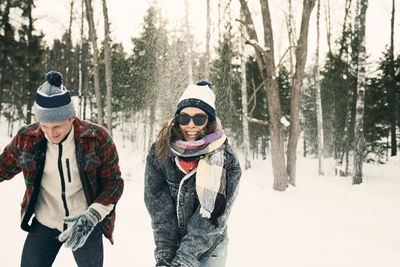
{"x": 84, "y": 223}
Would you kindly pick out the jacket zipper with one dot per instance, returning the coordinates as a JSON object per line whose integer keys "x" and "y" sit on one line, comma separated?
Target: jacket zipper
{"x": 60, "y": 170}
{"x": 68, "y": 171}
{"x": 178, "y": 201}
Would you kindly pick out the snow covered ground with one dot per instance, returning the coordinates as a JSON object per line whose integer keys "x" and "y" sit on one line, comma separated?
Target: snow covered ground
{"x": 324, "y": 221}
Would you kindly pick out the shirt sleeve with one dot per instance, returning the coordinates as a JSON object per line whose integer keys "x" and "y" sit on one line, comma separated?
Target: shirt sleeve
{"x": 109, "y": 172}
{"x": 9, "y": 166}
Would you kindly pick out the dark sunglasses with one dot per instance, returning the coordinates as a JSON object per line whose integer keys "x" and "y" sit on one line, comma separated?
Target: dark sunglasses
{"x": 198, "y": 119}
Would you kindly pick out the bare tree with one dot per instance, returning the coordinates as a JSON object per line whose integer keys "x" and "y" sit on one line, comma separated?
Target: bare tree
{"x": 359, "y": 126}
{"x": 291, "y": 35}
{"x": 188, "y": 41}
{"x": 246, "y": 138}
{"x": 320, "y": 130}
{"x": 93, "y": 40}
{"x": 348, "y": 130}
{"x": 301, "y": 57}
{"x": 80, "y": 66}
{"x": 266, "y": 63}
{"x": 207, "y": 55}
{"x": 328, "y": 23}
{"x": 68, "y": 52}
{"x": 394, "y": 113}
{"x": 107, "y": 60}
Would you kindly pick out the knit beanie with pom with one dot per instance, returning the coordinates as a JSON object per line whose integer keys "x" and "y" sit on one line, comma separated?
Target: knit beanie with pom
{"x": 53, "y": 101}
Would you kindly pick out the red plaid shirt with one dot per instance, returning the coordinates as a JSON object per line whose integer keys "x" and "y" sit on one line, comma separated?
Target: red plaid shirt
{"x": 97, "y": 161}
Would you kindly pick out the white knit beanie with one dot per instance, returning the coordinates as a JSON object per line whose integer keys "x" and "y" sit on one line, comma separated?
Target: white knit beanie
{"x": 200, "y": 96}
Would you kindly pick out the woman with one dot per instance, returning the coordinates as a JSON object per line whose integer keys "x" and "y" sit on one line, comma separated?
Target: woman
{"x": 191, "y": 181}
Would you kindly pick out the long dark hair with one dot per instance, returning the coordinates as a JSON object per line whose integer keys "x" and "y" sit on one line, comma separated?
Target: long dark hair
{"x": 170, "y": 131}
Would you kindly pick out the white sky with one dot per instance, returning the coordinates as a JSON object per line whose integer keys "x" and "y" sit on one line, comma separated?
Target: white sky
{"x": 127, "y": 17}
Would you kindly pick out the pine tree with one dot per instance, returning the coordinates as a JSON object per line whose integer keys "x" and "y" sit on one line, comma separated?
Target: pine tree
{"x": 226, "y": 84}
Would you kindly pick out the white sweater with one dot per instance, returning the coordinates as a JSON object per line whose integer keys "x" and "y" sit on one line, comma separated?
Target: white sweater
{"x": 61, "y": 192}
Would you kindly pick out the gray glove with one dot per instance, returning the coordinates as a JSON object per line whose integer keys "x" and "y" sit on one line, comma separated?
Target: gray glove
{"x": 84, "y": 223}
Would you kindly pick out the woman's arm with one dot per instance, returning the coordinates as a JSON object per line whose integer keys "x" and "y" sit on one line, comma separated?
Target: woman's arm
{"x": 161, "y": 208}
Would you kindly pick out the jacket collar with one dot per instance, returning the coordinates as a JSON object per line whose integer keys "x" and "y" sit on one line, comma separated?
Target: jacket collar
{"x": 83, "y": 129}
{"x": 37, "y": 131}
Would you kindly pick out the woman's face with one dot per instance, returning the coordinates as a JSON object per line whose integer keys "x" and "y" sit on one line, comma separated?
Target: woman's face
{"x": 188, "y": 120}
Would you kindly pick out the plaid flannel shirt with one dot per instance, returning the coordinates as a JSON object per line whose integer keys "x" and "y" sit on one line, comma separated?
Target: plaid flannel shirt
{"x": 97, "y": 161}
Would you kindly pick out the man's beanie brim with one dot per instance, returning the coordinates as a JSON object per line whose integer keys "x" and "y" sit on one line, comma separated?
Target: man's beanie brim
{"x": 53, "y": 101}
{"x": 200, "y": 96}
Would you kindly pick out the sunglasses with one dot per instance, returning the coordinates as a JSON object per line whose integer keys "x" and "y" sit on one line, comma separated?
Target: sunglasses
{"x": 198, "y": 119}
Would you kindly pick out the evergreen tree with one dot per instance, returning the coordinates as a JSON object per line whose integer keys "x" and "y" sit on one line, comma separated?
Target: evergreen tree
{"x": 226, "y": 84}
{"x": 30, "y": 65}
{"x": 257, "y": 101}
{"x": 144, "y": 62}
{"x": 122, "y": 95}
{"x": 335, "y": 85}
{"x": 309, "y": 111}
{"x": 376, "y": 121}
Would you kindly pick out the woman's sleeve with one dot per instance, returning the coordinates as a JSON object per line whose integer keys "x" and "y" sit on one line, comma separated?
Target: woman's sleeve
{"x": 202, "y": 236}
{"x": 161, "y": 208}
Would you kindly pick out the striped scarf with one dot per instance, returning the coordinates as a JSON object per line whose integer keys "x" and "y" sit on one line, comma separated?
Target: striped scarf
{"x": 211, "y": 176}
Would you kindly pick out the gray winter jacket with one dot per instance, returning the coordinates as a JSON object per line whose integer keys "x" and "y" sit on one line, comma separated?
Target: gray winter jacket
{"x": 182, "y": 236}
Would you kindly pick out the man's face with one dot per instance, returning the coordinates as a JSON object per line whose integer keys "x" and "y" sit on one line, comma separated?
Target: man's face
{"x": 56, "y": 131}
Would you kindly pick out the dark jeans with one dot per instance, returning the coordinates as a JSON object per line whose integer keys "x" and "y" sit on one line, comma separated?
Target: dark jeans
{"x": 41, "y": 248}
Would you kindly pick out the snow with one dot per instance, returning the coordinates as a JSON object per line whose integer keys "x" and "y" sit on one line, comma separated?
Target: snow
{"x": 323, "y": 221}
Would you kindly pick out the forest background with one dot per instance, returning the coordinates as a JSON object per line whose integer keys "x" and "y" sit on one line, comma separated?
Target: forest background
{"x": 126, "y": 66}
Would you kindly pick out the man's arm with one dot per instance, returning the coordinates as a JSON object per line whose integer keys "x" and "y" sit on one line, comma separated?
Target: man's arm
{"x": 109, "y": 173}
{"x": 9, "y": 160}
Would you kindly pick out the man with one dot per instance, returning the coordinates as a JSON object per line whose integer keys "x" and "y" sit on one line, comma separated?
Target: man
{"x": 72, "y": 177}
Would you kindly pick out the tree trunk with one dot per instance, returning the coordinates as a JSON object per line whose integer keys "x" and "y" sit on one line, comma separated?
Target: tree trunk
{"x": 208, "y": 34}
{"x": 292, "y": 37}
{"x": 246, "y": 138}
{"x": 394, "y": 112}
{"x": 359, "y": 123}
{"x": 6, "y": 48}
{"x": 188, "y": 41}
{"x": 349, "y": 123}
{"x": 107, "y": 59}
{"x": 93, "y": 40}
{"x": 30, "y": 96}
{"x": 68, "y": 51}
{"x": 328, "y": 24}
{"x": 80, "y": 58}
{"x": 320, "y": 130}
{"x": 342, "y": 42}
{"x": 301, "y": 57}
{"x": 266, "y": 65}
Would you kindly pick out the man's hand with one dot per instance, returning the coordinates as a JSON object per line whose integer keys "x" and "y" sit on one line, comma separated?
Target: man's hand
{"x": 84, "y": 223}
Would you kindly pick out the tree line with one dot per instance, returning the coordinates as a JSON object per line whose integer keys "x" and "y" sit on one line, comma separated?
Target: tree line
{"x": 264, "y": 105}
